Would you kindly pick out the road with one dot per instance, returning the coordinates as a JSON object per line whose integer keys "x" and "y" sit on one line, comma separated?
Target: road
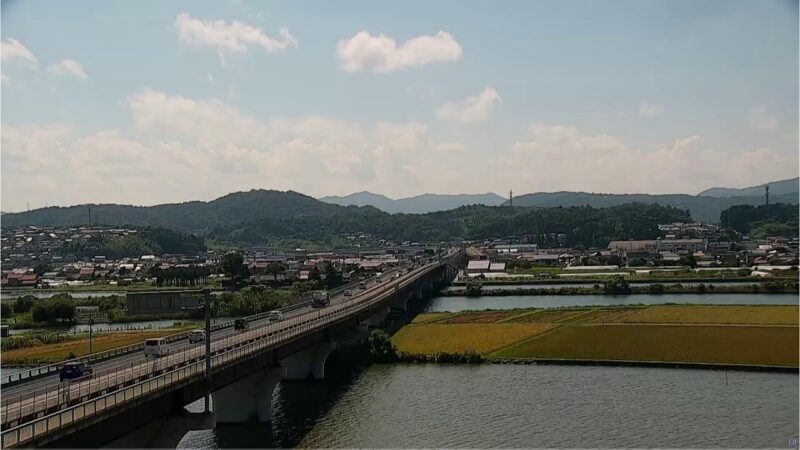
{"x": 50, "y": 383}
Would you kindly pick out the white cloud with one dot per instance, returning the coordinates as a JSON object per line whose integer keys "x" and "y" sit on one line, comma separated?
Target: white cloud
{"x": 179, "y": 148}
{"x": 647, "y": 110}
{"x": 382, "y": 54}
{"x": 229, "y": 37}
{"x": 472, "y": 109}
{"x": 12, "y": 49}
{"x": 562, "y": 158}
{"x": 68, "y": 67}
{"x": 760, "y": 120}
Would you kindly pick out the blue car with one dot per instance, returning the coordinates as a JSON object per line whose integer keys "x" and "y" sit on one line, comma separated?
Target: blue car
{"x": 76, "y": 370}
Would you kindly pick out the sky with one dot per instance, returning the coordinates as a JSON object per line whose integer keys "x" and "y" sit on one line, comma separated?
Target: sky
{"x": 151, "y": 102}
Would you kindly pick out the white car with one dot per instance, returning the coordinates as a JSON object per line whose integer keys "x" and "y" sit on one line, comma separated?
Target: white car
{"x": 348, "y": 293}
{"x": 197, "y": 336}
{"x": 156, "y": 347}
{"x": 275, "y": 316}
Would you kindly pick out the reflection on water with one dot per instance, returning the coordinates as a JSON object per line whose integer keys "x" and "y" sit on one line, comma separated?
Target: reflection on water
{"x": 426, "y": 405}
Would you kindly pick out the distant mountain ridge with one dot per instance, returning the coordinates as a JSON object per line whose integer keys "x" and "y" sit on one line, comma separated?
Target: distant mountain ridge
{"x": 419, "y": 204}
{"x": 789, "y": 186}
{"x": 704, "y": 209}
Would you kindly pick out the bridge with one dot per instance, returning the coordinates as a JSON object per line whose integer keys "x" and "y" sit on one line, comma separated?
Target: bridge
{"x": 132, "y": 401}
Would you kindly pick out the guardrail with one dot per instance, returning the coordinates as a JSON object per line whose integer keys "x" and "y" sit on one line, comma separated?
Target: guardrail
{"x": 169, "y": 374}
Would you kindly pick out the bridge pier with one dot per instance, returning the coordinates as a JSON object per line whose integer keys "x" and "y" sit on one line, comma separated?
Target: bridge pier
{"x": 252, "y": 395}
{"x": 309, "y": 363}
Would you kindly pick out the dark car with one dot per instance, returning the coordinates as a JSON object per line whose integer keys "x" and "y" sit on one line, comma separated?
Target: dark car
{"x": 75, "y": 371}
{"x": 240, "y": 324}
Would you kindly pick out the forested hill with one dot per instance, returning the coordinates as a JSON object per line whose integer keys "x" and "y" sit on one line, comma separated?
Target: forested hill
{"x": 286, "y": 218}
{"x": 777, "y": 219}
{"x": 704, "y": 209}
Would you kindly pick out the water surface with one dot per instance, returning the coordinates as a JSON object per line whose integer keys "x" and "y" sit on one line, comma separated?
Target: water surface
{"x": 426, "y": 405}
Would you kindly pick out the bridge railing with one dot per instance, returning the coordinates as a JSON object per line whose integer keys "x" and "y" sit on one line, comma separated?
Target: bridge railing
{"x": 244, "y": 346}
{"x": 22, "y": 408}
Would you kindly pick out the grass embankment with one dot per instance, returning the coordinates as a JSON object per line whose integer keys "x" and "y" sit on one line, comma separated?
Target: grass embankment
{"x": 742, "y": 335}
{"x": 42, "y": 354}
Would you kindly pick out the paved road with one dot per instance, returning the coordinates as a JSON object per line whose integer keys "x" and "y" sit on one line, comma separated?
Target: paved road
{"x": 41, "y": 385}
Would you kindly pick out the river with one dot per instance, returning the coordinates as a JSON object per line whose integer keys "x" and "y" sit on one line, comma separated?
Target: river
{"x": 428, "y": 405}
{"x": 455, "y": 304}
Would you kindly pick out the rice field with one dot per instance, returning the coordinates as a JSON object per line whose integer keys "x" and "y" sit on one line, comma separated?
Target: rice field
{"x": 757, "y": 345}
{"x": 432, "y": 338}
{"x": 80, "y": 347}
{"x": 754, "y": 335}
{"x": 755, "y": 315}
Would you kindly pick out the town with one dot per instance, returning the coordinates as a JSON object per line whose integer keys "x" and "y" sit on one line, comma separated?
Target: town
{"x": 32, "y": 258}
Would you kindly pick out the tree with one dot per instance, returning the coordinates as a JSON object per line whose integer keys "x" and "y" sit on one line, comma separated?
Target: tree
{"x": 232, "y": 264}
{"x": 381, "y": 346}
{"x": 24, "y": 304}
{"x": 473, "y": 288}
{"x": 6, "y": 310}
{"x": 688, "y": 261}
{"x": 617, "y": 286}
{"x": 40, "y": 268}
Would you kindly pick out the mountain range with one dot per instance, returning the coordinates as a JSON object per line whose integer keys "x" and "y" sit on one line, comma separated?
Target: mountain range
{"x": 289, "y": 219}
{"x": 415, "y": 205}
{"x": 705, "y": 207}
{"x": 775, "y": 188}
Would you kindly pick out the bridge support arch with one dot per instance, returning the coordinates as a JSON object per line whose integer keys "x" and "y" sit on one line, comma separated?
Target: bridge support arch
{"x": 308, "y": 363}
{"x": 248, "y": 397}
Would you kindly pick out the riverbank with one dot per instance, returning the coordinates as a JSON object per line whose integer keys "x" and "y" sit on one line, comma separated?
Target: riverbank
{"x": 654, "y": 289}
{"x": 633, "y": 279}
{"x": 751, "y": 336}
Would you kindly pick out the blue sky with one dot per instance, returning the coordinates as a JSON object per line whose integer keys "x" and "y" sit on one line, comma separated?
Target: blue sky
{"x": 149, "y": 102}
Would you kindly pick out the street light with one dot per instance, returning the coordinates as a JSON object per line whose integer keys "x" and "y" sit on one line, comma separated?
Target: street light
{"x": 207, "y": 307}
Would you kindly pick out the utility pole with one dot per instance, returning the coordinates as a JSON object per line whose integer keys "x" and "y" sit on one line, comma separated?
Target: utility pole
{"x": 207, "y": 295}
{"x": 766, "y": 189}
{"x": 91, "y": 322}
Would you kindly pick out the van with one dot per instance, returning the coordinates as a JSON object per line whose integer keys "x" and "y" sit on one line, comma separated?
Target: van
{"x": 197, "y": 336}
{"x": 156, "y": 347}
{"x": 275, "y": 316}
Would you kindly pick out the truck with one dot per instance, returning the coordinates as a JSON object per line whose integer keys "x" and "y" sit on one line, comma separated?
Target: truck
{"x": 320, "y": 299}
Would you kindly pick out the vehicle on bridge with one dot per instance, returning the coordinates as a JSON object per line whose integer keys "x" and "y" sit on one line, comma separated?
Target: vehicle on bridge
{"x": 320, "y": 299}
{"x": 197, "y": 336}
{"x": 240, "y": 324}
{"x": 362, "y": 286}
{"x": 348, "y": 293}
{"x": 275, "y": 316}
{"x": 75, "y": 370}
{"x": 156, "y": 347}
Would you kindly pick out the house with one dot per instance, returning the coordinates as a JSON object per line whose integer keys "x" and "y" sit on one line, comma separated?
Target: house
{"x": 497, "y": 267}
{"x": 86, "y": 273}
{"x": 478, "y": 266}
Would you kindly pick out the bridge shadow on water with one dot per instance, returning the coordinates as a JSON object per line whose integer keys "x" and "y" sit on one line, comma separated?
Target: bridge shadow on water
{"x": 299, "y": 405}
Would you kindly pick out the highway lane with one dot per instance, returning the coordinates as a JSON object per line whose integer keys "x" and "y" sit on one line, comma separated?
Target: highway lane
{"x": 24, "y": 406}
{"x": 51, "y": 382}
